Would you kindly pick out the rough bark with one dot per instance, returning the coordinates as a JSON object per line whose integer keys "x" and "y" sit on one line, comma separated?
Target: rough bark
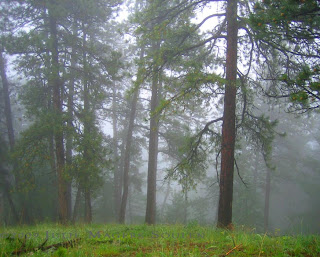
{"x": 57, "y": 106}
{"x": 6, "y": 192}
{"x": 127, "y": 154}
{"x": 87, "y": 207}
{"x": 9, "y": 124}
{"x": 121, "y": 165}
{"x": 255, "y": 173}
{"x": 228, "y": 127}
{"x": 165, "y": 199}
{"x": 7, "y": 103}
{"x": 185, "y": 211}
{"x": 153, "y": 151}
{"x": 86, "y": 128}
{"x": 76, "y": 206}
{"x": 53, "y": 161}
{"x": 2, "y": 222}
{"x": 116, "y": 177}
{"x": 69, "y": 136}
{"x": 130, "y": 209}
{"x": 267, "y": 200}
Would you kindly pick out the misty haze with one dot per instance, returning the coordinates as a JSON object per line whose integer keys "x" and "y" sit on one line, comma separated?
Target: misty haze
{"x": 159, "y": 128}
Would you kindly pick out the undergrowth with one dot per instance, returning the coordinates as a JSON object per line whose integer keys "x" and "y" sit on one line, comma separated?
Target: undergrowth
{"x": 143, "y": 240}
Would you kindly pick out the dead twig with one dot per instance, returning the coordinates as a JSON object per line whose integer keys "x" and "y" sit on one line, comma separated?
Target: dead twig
{"x": 65, "y": 244}
{"x": 234, "y": 248}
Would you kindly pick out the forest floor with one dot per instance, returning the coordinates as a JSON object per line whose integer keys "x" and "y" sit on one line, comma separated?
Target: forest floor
{"x": 142, "y": 240}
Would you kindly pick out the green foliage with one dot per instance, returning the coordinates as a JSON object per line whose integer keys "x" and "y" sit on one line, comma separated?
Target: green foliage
{"x": 291, "y": 28}
{"x": 32, "y": 150}
{"x": 26, "y": 33}
{"x": 175, "y": 211}
{"x": 297, "y": 18}
{"x": 248, "y": 206}
{"x": 35, "y": 191}
{"x": 168, "y": 37}
{"x": 189, "y": 154}
{"x": 91, "y": 162}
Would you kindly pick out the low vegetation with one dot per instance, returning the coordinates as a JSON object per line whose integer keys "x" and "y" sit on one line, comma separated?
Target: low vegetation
{"x": 143, "y": 240}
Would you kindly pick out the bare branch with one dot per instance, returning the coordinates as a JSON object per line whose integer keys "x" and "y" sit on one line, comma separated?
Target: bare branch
{"x": 235, "y": 162}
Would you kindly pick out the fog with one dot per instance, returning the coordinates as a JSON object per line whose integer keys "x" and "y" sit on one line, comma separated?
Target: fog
{"x": 153, "y": 112}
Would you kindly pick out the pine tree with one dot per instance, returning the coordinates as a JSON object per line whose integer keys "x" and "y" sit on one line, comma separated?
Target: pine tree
{"x": 55, "y": 30}
{"x": 290, "y": 30}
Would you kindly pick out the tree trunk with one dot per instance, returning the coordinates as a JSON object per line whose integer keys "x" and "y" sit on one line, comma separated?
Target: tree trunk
{"x": 9, "y": 124}
{"x": 57, "y": 105}
{"x": 127, "y": 152}
{"x": 165, "y": 200}
{"x": 7, "y": 103}
{"x": 87, "y": 207}
{"x": 2, "y": 221}
{"x": 255, "y": 173}
{"x": 121, "y": 165}
{"x": 228, "y": 127}
{"x": 8, "y": 195}
{"x": 86, "y": 128}
{"x": 185, "y": 211}
{"x": 51, "y": 137}
{"x": 267, "y": 200}
{"x": 116, "y": 178}
{"x": 76, "y": 206}
{"x": 130, "y": 211}
{"x": 153, "y": 149}
{"x": 69, "y": 136}
{"x": 53, "y": 166}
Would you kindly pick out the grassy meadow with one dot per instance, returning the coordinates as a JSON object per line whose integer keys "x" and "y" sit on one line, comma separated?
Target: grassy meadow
{"x": 143, "y": 240}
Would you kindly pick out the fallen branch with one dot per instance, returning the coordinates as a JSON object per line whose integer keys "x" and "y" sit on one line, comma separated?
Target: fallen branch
{"x": 23, "y": 244}
{"x": 42, "y": 247}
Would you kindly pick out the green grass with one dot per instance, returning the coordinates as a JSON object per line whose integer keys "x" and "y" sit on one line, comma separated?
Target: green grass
{"x": 160, "y": 240}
